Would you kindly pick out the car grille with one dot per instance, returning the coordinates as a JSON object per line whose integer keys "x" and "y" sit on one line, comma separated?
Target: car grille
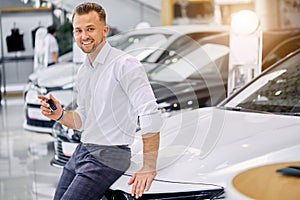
{"x": 35, "y": 122}
{"x": 59, "y": 159}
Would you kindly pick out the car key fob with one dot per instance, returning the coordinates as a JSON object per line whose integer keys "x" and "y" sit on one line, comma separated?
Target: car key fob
{"x": 52, "y": 105}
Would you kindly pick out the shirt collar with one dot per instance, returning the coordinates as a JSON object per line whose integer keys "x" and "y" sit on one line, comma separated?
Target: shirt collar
{"x": 101, "y": 57}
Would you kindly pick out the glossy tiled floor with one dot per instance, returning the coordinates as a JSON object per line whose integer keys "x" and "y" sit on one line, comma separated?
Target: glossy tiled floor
{"x": 25, "y": 172}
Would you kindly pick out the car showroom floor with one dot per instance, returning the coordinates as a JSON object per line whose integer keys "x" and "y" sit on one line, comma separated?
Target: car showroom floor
{"x": 25, "y": 172}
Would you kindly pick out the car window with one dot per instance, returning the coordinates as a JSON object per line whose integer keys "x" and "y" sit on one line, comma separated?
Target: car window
{"x": 278, "y": 91}
{"x": 198, "y": 62}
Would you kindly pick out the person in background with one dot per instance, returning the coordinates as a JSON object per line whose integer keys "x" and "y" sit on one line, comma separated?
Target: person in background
{"x": 113, "y": 93}
{"x": 51, "y": 46}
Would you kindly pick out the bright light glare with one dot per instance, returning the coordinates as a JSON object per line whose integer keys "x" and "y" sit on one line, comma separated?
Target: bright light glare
{"x": 244, "y": 22}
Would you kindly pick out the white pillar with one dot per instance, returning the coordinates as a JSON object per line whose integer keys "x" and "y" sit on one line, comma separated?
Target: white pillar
{"x": 245, "y": 49}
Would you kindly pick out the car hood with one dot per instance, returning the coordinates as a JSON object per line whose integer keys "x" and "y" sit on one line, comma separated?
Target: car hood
{"x": 58, "y": 75}
{"x": 208, "y": 145}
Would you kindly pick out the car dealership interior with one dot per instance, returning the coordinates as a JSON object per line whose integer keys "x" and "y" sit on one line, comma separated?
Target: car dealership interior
{"x": 226, "y": 79}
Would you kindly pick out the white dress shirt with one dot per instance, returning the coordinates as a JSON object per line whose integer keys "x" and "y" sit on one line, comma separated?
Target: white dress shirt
{"x": 113, "y": 92}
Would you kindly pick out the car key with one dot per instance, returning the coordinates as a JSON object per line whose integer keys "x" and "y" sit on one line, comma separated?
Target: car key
{"x": 52, "y": 105}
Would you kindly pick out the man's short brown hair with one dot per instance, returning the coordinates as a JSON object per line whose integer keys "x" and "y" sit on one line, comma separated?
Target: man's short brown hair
{"x": 86, "y": 8}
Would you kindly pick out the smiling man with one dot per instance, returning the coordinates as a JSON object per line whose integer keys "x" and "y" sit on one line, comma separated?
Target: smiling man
{"x": 113, "y": 92}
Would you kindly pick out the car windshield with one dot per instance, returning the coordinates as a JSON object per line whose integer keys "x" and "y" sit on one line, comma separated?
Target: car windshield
{"x": 277, "y": 91}
{"x": 194, "y": 63}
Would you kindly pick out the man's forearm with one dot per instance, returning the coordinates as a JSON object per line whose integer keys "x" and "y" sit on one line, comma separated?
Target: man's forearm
{"x": 72, "y": 120}
{"x": 151, "y": 146}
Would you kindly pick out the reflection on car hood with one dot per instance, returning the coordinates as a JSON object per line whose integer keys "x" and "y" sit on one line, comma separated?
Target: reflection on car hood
{"x": 209, "y": 144}
{"x": 187, "y": 90}
{"x": 58, "y": 75}
{"x": 165, "y": 91}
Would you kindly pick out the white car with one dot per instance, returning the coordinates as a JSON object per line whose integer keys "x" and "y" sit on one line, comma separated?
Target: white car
{"x": 149, "y": 45}
{"x": 201, "y": 150}
{"x": 58, "y": 80}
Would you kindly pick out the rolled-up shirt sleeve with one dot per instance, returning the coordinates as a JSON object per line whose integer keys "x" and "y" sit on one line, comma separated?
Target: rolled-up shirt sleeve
{"x": 135, "y": 83}
{"x": 150, "y": 122}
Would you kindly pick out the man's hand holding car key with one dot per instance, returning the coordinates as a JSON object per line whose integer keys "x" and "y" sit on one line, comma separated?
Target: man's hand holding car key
{"x": 51, "y": 108}
{"x": 51, "y": 104}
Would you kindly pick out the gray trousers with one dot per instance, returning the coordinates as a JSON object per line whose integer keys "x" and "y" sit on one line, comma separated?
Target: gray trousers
{"x": 91, "y": 170}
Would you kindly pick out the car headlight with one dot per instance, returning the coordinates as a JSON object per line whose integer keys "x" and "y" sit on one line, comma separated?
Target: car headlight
{"x": 168, "y": 107}
{"x": 204, "y": 194}
{"x": 43, "y": 91}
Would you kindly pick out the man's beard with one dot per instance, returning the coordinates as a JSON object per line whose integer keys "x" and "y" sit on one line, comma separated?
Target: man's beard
{"x": 95, "y": 47}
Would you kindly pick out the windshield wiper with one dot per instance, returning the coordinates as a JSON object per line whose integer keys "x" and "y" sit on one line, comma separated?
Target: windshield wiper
{"x": 238, "y": 108}
{"x": 289, "y": 113}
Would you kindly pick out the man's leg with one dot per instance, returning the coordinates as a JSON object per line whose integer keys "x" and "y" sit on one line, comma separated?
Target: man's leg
{"x": 67, "y": 175}
{"x": 63, "y": 184}
{"x": 94, "y": 177}
{"x": 92, "y": 184}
